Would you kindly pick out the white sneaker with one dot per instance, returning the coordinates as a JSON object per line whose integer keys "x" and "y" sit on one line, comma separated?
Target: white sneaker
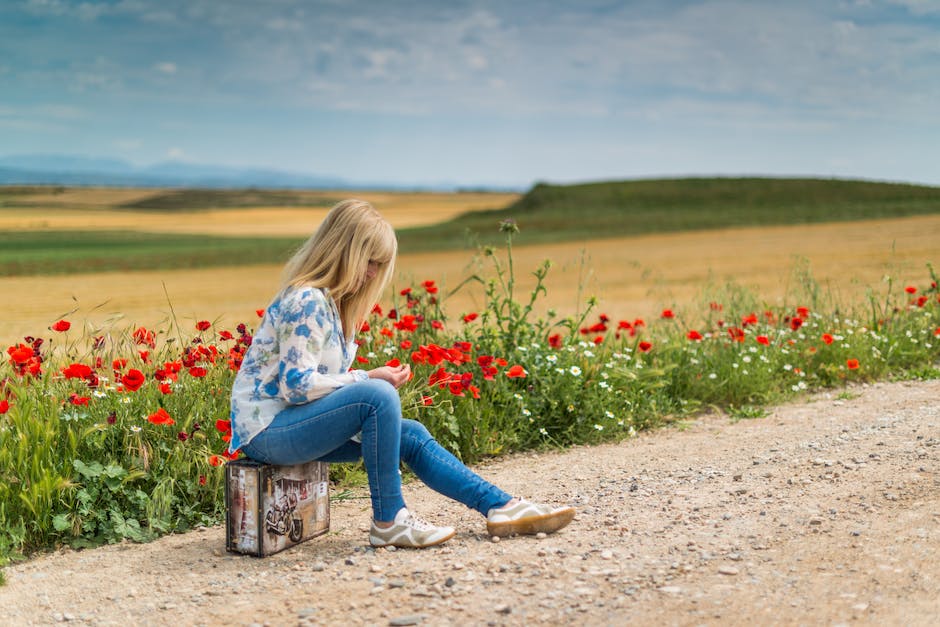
{"x": 409, "y": 531}
{"x": 523, "y": 517}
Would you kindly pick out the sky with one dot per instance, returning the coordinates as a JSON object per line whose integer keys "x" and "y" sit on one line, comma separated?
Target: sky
{"x": 480, "y": 92}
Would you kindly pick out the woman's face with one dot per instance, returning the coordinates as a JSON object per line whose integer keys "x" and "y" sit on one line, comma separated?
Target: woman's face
{"x": 372, "y": 269}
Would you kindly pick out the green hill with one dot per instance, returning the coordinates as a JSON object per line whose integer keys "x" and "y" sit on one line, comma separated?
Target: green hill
{"x": 555, "y": 213}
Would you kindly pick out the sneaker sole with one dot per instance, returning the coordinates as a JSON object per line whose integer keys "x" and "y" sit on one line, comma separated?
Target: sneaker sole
{"x": 546, "y": 523}
{"x": 414, "y": 546}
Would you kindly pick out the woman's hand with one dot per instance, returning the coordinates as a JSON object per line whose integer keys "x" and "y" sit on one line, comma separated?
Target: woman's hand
{"x": 396, "y": 375}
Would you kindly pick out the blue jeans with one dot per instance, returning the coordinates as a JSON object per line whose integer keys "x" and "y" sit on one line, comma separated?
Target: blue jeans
{"x": 322, "y": 431}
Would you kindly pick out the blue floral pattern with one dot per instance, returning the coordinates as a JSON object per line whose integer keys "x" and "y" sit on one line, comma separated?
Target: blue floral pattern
{"x": 297, "y": 355}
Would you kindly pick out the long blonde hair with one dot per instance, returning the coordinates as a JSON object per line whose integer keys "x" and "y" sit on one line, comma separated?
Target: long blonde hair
{"x": 337, "y": 257}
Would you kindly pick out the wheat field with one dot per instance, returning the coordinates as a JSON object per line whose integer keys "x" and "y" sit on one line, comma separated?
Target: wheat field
{"x": 632, "y": 277}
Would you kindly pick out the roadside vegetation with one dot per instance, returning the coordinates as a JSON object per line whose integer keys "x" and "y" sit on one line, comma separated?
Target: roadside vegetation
{"x": 109, "y": 434}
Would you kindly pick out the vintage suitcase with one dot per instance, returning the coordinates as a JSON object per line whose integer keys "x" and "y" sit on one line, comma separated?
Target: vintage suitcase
{"x": 270, "y": 508}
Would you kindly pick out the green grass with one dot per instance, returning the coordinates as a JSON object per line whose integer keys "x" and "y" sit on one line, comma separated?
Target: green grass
{"x": 65, "y": 252}
{"x": 555, "y": 213}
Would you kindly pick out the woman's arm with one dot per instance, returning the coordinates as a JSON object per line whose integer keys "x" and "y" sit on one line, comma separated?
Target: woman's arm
{"x": 304, "y": 327}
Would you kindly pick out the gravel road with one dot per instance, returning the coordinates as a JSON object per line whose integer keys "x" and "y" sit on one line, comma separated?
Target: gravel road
{"x": 826, "y": 511}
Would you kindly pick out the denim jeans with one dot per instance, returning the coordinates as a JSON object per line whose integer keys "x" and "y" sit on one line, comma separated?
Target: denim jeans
{"x": 323, "y": 431}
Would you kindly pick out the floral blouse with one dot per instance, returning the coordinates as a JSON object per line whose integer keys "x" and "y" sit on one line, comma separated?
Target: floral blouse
{"x": 297, "y": 355}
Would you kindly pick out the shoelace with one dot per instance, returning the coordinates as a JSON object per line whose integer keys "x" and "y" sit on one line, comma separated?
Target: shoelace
{"x": 416, "y": 523}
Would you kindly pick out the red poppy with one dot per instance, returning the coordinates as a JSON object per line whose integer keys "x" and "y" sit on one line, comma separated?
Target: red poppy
{"x": 202, "y": 480}
{"x": 259, "y": 313}
{"x": 694, "y": 335}
{"x": 437, "y": 324}
{"x": 921, "y": 301}
{"x": 440, "y": 376}
{"x": 203, "y": 325}
{"x": 936, "y": 332}
{"x": 516, "y": 372}
{"x": 599, "y": 340}
{"x": 20, "y": 354}
{"x": 796, "y": 322}
{"x": 554, "y": 340}
{"x": 405, "y": 291}
{"x": 365, "y": 327}
{"x": 61, "y": 325}
{"x": 133, "y": 380}
{"x": 198, "y": 372}
{"x": 828, "y": 339}
{"x": 161, "y": 417}
{"x": 429, "y": 287}
{"x": 910, "y": 289}
{"x": 142, "y": 336}
{"x": 361, "y": 359}
{"x": 851, "y": 364}
{"x": 77, "y": 371}
{"x": 470, "y": 317}
{"x": 736, "y": 334}
{"x": 75, "y": 399}
{"x": 223, "y": 426}
{"x": 762, "y": 339}
{"x": 802, "y": 312}
{"x": 667, "y": 313}
{"x": 427, "y": 400}
{"x": 165, "y": 388}
{"x": 226, "y": 335}
{"x": 751, "y": 318}
{"x": 215, "y": 460}
{"x": 394, "y": 363}
{"x": 4, "y": 406}
{"x": 407, "y": 323}
{"x": 645, "y": 347}
{"x": 715, "y": 306}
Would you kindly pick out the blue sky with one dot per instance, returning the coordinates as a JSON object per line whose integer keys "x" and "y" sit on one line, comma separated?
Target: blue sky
{"x": 480, "y": 92}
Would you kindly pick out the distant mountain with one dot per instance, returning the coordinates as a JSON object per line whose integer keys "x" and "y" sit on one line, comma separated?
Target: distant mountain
{"x": 92, "y": 171}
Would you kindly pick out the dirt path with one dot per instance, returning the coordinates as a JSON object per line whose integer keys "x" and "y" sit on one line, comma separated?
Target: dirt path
{"x": 824, "y": 512}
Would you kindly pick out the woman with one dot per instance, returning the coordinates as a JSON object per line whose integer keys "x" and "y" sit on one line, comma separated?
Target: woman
{"x": 295, "y": 399}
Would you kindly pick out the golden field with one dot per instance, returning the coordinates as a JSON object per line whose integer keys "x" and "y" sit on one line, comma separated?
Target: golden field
{"x": 96, "y": 208}
{"x": 632, "y": 277}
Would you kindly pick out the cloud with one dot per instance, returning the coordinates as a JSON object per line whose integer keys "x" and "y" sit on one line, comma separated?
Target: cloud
{"x": 165, "y": 68}
{"x": 128, "y": 145}
{"x": 62, "y": 112}
{"x": 82, "y": 10}
{"x": 577, "y": 59}
{"x": 919, "y": 7}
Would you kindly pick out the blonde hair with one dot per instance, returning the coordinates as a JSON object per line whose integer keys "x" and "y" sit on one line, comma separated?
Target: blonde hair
{"x": 337, "y": 257}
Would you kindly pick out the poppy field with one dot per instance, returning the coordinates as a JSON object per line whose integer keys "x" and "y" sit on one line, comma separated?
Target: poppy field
{"x": 121, "y": 432}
